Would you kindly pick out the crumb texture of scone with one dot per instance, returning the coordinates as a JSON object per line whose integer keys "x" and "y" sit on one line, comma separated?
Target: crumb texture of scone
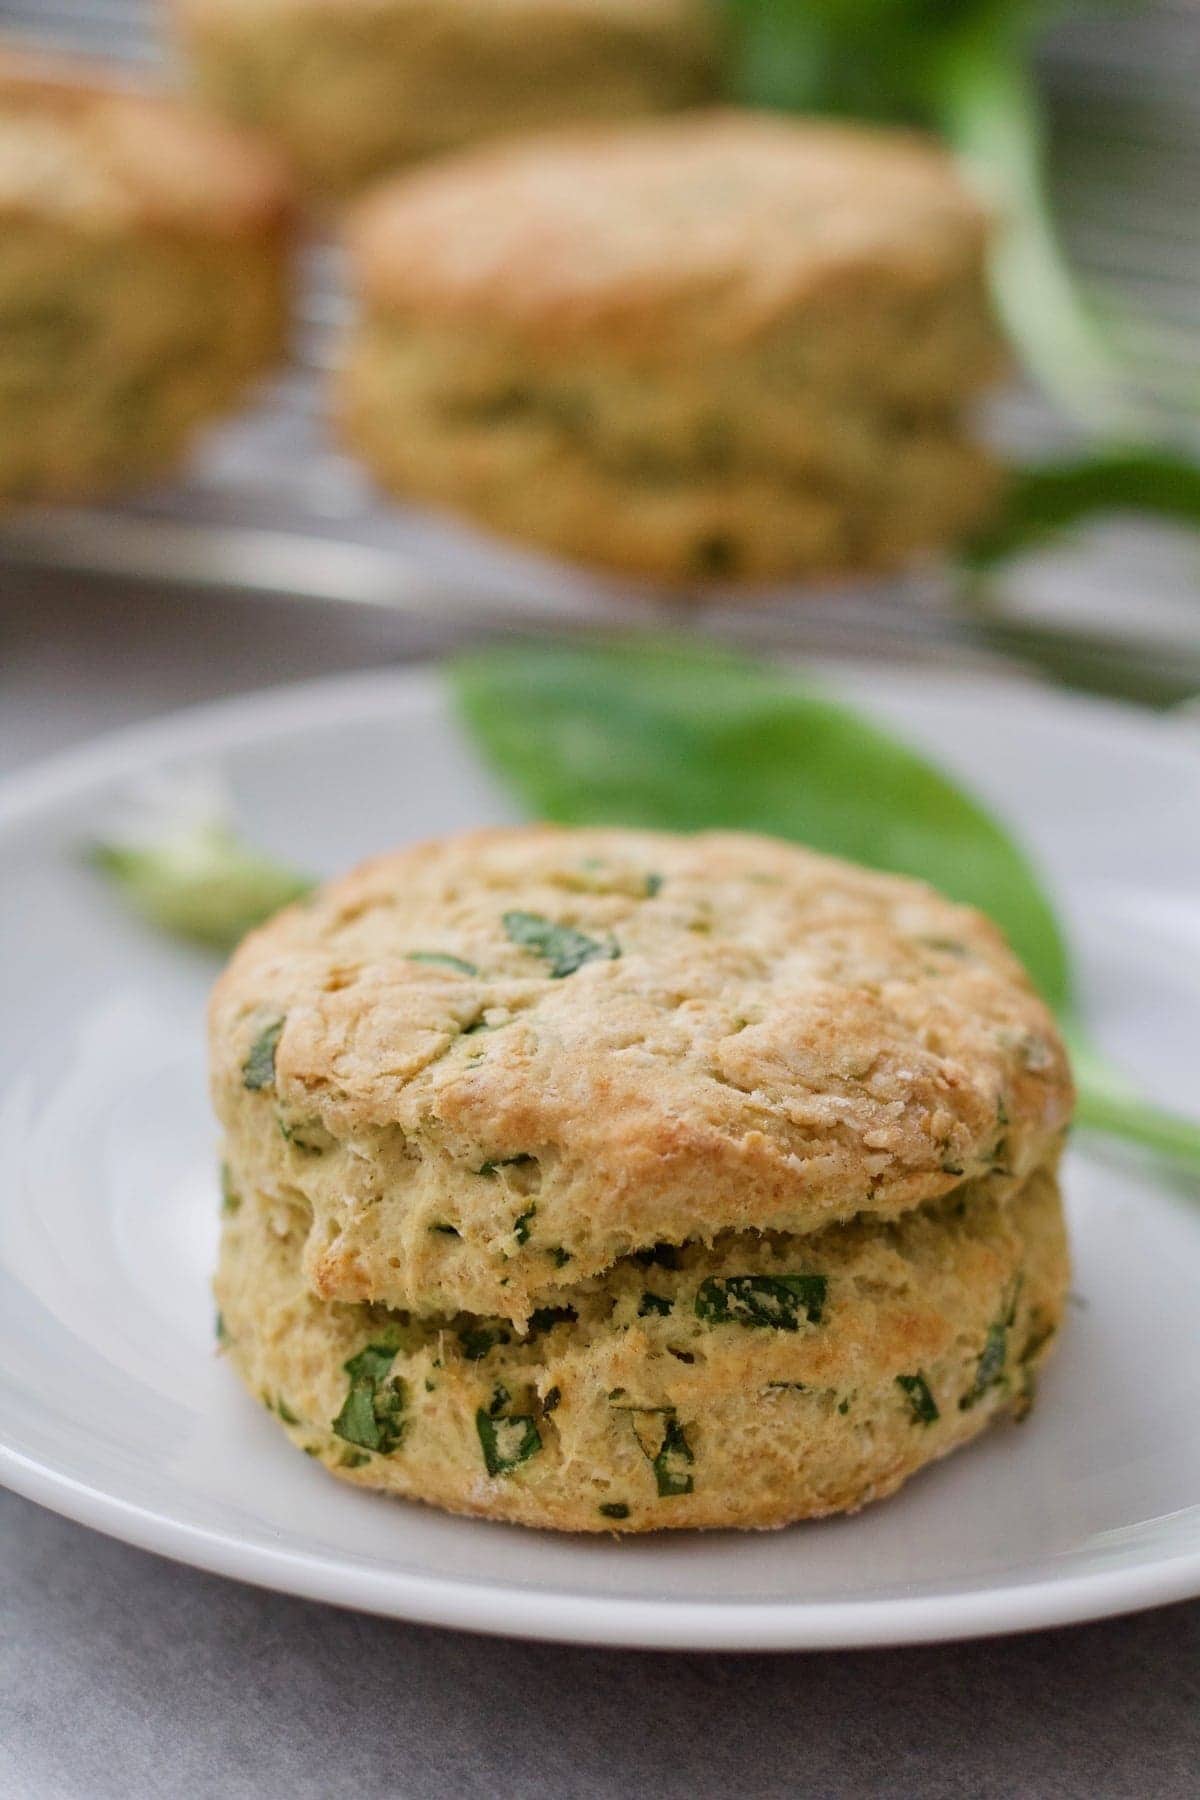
{"x": 142, "y": 276}
{"x": 570, "y": 1171}
{"x": 720, "y": 347}
{"x": 350, "y": 89}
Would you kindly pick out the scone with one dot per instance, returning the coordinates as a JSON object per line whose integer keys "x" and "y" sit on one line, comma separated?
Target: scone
{"x": 349, "y": 89}
{"x": 612, "y": 1179}
{"x": 722, "y": 347}
{"x": 142, "y": 277}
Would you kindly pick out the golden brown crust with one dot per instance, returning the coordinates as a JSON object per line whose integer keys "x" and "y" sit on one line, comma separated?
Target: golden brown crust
{"x": 646, "y": 1405}
{"x": 781, "y": 1040}
{"x": 705, "y": 230}
{"x": 78, "y": 143}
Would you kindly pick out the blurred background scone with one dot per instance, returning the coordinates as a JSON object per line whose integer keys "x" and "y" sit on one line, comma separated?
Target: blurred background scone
{"x": 721, "y": 347}
{"x": 350, "y": 88}
{"x": 142, "y": 276}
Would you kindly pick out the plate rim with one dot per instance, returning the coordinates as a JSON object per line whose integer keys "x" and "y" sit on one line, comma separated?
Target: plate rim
{"x": 502, "y": 1609}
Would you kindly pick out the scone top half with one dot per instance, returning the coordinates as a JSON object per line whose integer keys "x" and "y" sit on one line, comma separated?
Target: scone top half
{"x": 491, "y": 1066}
{"x": 81, "y": 147}
{"x": 713, "y": 233}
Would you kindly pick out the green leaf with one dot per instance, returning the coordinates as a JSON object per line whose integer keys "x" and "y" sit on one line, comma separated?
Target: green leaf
{"x": 673, "y": 1463}
{"x": 372, "y": 1414}
{"x": 564, "y": 948}
{"x": 681, "y": 738}
{"x": 199, "y": 880}
{"x": 442, "y": 959}
{"x": 776, "y": 1301}
{"x": 921, "y": 1401}
{"x": 258, "y": 1070}
{"x": 1046, "y": 499}
{"x": 507, "y": 1440}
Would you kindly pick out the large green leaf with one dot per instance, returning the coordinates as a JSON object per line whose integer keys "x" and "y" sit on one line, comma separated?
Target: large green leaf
{"x": 682, "y": 738}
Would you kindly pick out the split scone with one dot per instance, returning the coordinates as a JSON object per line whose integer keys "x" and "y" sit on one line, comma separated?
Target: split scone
{"x": 606, "y": 1179}
{"x": 725, "y": 347}
{"x": 349, "y": 89}
{"x": 142, "y": 277}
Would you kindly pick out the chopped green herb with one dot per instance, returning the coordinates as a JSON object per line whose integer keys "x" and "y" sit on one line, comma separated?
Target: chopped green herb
{"x": 843, "y": 1407}
{"x": 505, "y": 1162}
{"x": 506, "y": 1441}
{"x": 230, "y": 1198}
{"x": 661, "y": 1256}
{"x": 430, "y": 1386}
{"x": 544, "y": 1317}
{"x": 561, "y": 1257}
{"x": 285, "y": 1412}
{"x": 219, "y": 1328}
{"x": 258, "y": 1070}
{"x": 441, "y": 959}
{"x": 551, "y": 1398}
{"x": 653, "y": 1303}
{"x": 672, "y": 1463}
{"x": 564, "y": 948}
{"x": 477, "y": 1340}
{"x": 521, "y": 1227}
{"x": 353, "y": 1459}
{"x": 989, "y": 1370}
{"x": 774, "y": 1300}
{"x": 921, "y": 1401}
{"x": 653, "y": 886}
{"x": 614, "y": 1509}
{"x": 372, "y": 1414}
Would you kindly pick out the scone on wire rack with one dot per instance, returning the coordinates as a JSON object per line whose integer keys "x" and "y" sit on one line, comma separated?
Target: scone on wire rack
{"x": 349, "y": 89}
{"x": 601, "y": 1179}
{"x": 142, "y": 276}
{"x": 724, "y": 347}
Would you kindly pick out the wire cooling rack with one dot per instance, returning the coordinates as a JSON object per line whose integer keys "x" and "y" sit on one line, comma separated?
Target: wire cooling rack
{"x": 268, "y": 504}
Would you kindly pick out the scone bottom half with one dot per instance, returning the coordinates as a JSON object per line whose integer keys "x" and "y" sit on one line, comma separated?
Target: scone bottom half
{"x": 701, "y": 1355}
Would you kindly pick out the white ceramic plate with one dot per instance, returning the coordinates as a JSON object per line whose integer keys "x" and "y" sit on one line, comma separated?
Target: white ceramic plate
{"x": 114, "y": 1410}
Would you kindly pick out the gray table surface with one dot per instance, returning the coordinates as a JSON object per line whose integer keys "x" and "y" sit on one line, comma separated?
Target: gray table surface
{"x": 123, "y": 1675}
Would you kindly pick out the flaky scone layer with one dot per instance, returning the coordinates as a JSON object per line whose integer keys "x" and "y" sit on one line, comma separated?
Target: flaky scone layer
{"x": 488, "y": 1068}
{"x": 765, "y": 1379}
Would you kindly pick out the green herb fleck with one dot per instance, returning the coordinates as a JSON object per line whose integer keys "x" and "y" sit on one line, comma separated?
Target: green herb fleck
{"x": 507, "y": 1441}
{"x": 442, "y": 959}
{"x": 774, "y": 1300}
{"x": 477, "y": 1340}
{"x": 551, "y": 1399}
{"x": 353, "y": 1459}
{"x": 989, "y": 1370}
{"x": 258, "y": 1070}
{"x": 372, "y": 1414}
{"x": 653, "y": 1303}
{"x": 660, "y": 1256}
{"x": 561, "y": 1257}
{"x": 521, "y": 1227}
{"x": 230, "y": 1198}
{"x": 614, "y": 1509}
{"x": 285, "y": 1412}
{"x": 653, "y": 886}
{"x": 544, "y": 1317}
{"x": 921, "y": 1401}
{"x": 219, "y": 1328}
{"x": 673, "y": 1462}
{"x": 564, "y": 948}
{"x": 843, "y": 1407}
